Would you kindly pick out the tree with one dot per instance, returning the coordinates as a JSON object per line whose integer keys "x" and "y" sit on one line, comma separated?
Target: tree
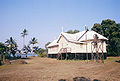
{"x": 3, "y": 52}
{"x": 72, "y": 32}
{"x": 33, "y": 41}
{"x": 26, "y": 49}
{"x": 46, "y": 46}
{"x": 97, "y": 28}
{"x": 76, "y": 31}
{"x": 23, "y": 34}
{"x": 40, "y": 52}
{"x": 19, "y": 52}
{"x": 111, "y": 30}
{"x": 35, "y": 49}
{"x": 12, "y": 46}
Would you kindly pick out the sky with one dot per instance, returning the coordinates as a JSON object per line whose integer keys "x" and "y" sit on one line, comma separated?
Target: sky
{"x": 44, "y": 19}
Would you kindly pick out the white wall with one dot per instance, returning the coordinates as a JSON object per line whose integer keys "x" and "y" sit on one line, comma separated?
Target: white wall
{"x": 63, "y": 43}
{"x": 75, "y": 48}
{"x": 81, "y": 48}
{"x": 53, "y": 50}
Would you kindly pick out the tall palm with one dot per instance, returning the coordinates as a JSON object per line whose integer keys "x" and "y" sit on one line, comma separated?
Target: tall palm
{"x": 23, "y": 34}
{"x": 12, "y": 45}
{"x": 33, "y": 42}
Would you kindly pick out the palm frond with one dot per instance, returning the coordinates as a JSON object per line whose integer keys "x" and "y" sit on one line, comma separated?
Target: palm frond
{"x": 24, "y": 33}
{"x": 33, "y": 41}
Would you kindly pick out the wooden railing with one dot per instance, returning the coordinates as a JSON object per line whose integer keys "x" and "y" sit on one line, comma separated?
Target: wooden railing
{"x": 63, "y": 50}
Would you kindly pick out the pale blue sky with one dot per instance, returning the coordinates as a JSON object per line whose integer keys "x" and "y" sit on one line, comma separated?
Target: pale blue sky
{"x": 44, "y": 18}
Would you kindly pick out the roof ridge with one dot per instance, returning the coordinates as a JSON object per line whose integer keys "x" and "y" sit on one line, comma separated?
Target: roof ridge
{"x": 82, "y": 35}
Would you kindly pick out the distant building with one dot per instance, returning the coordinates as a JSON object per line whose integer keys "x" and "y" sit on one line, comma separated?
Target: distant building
{"x": 75, "y": 46}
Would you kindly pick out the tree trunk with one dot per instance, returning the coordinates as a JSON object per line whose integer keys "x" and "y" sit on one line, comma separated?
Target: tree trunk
{"x": 32, "y": 50}
{"x": 0, "y": 60}
{"x": 23, "y": 42}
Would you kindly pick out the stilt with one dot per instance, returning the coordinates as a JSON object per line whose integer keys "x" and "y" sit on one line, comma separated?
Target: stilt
{"x": 61, "y": 56}
{"x": 97, "y": 46}
{"x": 75, "y": 56}
{"x": 66, "y": 56}
{"x": 86, "y": 43}
{"x": 62, "y": 50}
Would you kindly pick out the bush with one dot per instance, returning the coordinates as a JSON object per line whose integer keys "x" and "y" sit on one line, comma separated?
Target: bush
{"x": 42, "y": 55}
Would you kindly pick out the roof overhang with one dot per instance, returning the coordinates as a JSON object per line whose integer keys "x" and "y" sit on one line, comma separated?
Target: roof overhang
{"x": 52, "y": 46}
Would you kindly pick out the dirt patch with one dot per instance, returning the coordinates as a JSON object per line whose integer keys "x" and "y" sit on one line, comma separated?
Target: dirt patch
{"x": 45, "y": 69}
{"x": 19, "y": 61}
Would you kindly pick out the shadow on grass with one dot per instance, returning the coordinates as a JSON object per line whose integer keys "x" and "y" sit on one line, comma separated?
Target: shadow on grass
{"x": 62, "y": 80}
{"x": 14, "y": 60}
{"x": 118, "y": 61}
{"x": 79, "y": 79}
{"x": 27, "y": 58}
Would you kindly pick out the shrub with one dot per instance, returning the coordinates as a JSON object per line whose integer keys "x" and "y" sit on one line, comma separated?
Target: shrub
{"x": 42, "y": 55}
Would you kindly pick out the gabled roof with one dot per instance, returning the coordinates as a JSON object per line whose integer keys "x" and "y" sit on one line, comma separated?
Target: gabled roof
{"x": 73, "y": 37}
{"x": 54, "y": 43}
{"x": 78, "y": 37}
{"x": 90, "y": 36}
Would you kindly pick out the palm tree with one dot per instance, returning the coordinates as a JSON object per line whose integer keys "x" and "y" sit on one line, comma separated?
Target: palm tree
{"x": 3, "y": 52}
{"x": 23, "y": 34}
{"x": 33, "y": 42}
{"x": 12, "y": 46}
{"x": 26, "y": 49}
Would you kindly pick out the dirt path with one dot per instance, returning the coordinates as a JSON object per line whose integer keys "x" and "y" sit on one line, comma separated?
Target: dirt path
{"x": 45, "y": 69}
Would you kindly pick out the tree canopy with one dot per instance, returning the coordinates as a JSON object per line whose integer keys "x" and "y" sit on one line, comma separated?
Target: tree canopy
{"x": 24, "y": 33}
{"x": 12, "y": 45}
{"x": 72, "y": 31}
{"x": 3, "y": 50}
{"x": 111, "y": 30}
{"x": 33, "y": 41}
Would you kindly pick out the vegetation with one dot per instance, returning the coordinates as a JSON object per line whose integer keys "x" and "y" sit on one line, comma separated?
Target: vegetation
{"x": 23, "y": 34}
{"x": 3, "y": 53}
{"x": 9, "y": 49}
{"x": 46, "y": 46}
{"x": 33, "y": 42}
{"x": 40, "y": 52}
{"x": 26, "y": 49}
{"x": 12, "y": 46}
{"x": 72, "y": 32}
{"x": 111, "y": 30}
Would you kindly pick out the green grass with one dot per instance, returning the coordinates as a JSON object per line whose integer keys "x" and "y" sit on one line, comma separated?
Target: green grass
{"x": 3, "y": 66}
{"x": 112, "y": 59}
{"x": 6, "y": 66}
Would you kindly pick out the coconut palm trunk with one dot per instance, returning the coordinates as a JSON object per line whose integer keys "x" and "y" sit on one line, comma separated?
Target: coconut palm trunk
{"x": 32, "y": 50}
{"x": 23, "y": 34}
{"x": 23, "y": 41}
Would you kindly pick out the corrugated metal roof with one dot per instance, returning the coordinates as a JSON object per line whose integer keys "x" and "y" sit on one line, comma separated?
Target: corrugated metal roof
{"x": 90, "y": 36}
{"x": 54, "y": 43}
{"x": 73, "y": 37}
{"x": 78, "y": 37}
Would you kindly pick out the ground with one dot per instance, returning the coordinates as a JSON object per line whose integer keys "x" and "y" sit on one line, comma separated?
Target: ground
{"x": 47, "y": 69}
